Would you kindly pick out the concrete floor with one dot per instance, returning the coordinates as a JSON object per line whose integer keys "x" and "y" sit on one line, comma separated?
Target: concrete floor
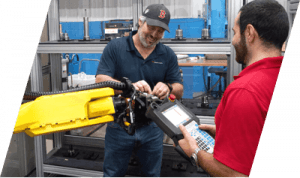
{"x": 11, "y": 164}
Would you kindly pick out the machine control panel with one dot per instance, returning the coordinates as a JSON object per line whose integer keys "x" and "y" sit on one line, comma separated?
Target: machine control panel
{"x": 170, "y": 115}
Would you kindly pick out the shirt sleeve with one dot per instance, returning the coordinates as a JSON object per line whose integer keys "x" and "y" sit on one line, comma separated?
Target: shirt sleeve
{"x": 238, "y": 129}
{"x": 173, "y": 74}
{"x": 107, "y": 64}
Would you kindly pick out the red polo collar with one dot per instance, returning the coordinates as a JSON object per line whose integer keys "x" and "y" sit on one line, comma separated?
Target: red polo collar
{"x": 272, "y": 62}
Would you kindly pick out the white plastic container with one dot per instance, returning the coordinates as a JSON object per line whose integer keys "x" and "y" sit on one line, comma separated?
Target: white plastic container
{"x": 80, "y": 79}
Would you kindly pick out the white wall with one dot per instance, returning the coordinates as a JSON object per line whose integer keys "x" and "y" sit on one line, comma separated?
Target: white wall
{"x": 282, "y": 2}
{"x": 99, "y": 10}
{"x": 197, "y": 5}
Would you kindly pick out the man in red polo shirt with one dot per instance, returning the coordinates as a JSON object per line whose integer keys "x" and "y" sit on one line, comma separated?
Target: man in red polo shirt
{"x": 260, "y": 29}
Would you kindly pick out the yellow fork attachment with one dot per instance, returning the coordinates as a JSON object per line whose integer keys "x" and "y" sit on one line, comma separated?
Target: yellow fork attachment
{"x": 67, "y": 111}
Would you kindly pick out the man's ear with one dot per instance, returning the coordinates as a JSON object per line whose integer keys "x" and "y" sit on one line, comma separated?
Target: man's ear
{"x": 250, "y": 33}
{"x": 140, "y": 23}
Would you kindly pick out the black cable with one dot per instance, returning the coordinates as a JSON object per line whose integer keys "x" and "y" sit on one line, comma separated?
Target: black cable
{"x": 206, "y": 89}
{"x": 210, "y": 89}
{"x": 73, "y": 58}
{"x": 111, "y": 84}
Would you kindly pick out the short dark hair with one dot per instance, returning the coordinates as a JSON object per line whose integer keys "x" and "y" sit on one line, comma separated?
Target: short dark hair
{"x": 269, "y": 19}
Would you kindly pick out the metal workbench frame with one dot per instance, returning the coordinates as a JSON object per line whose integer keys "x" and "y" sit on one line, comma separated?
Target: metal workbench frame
{"x": 187, "y": 48}
{"x": 292, "y": 6}
{"x": 54, "y": 50}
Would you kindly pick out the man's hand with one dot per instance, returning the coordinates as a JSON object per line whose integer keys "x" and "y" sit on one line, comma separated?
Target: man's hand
{"x": 142, "y": 86}
{"x": 188, "y": 143}
{"x": 211, "y": 129}
{"x": 161, "y": 90}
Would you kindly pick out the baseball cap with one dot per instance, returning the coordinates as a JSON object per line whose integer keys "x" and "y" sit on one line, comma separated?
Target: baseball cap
{"x": 157, "y": 15}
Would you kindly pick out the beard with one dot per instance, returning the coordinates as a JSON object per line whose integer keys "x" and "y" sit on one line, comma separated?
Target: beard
{"x": 241, "y": 51}
{"x": 143, "y": 39}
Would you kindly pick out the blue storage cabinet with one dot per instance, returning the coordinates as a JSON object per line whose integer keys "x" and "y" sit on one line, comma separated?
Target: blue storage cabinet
{"x": 198, "y": 80}
{"x": 75, "y": 30}
{"x": 218, "y": 19}
{"x": 193, "y": 80}
{"x": 188, "y": 78}
{"x": 87, "y": 66}
{"x": 191, "y": 27}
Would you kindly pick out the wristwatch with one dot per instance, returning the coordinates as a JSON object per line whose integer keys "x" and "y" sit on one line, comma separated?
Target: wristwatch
{"x": 194, "y": 157}
{"x": 170, "y": 87}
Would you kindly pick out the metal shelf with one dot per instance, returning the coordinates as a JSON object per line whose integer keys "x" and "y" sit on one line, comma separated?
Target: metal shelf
{"x": 200, "y": 48}
{"x": 60, "y": 170}
{"x": 70, "y": 48}
{"x": 93, "y": 168}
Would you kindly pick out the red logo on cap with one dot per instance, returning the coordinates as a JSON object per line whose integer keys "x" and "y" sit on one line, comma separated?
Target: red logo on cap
{"x": 162, "y": 14}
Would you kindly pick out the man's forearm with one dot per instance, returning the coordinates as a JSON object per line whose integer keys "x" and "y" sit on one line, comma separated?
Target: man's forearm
{"x": 215, "y": 168}
{"x": 177, "y": 90}
{"x": 103, "y": 78}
